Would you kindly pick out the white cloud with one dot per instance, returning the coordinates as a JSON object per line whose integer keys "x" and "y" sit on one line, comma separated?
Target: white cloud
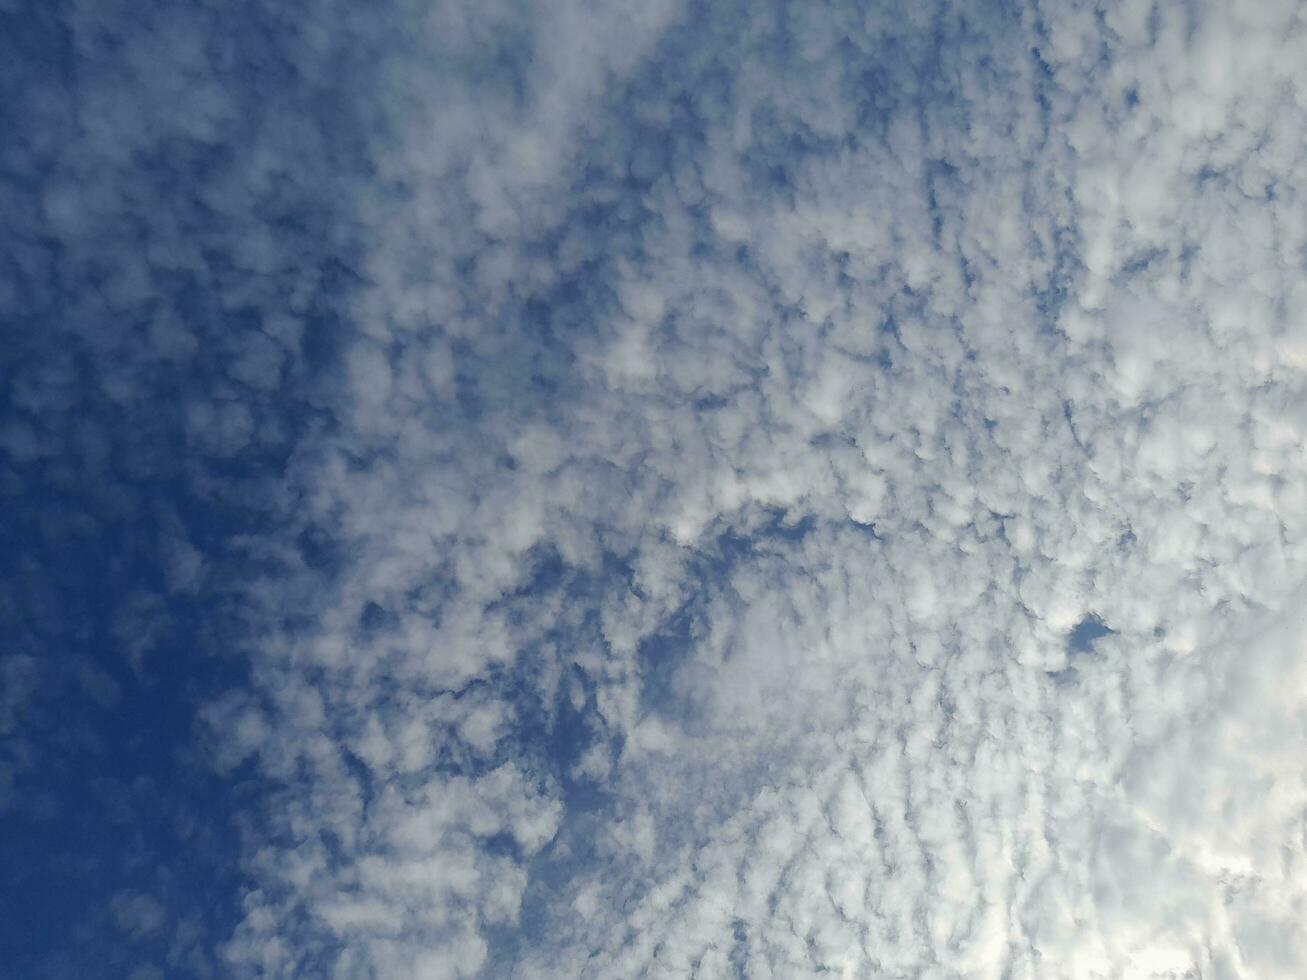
{"x": 787, "y": 463}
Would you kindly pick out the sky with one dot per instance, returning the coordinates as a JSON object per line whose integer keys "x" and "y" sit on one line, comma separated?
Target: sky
{"x": 609, "y": 489}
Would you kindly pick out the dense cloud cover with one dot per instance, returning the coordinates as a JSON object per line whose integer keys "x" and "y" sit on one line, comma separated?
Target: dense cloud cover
{"x": 654, "y": 489}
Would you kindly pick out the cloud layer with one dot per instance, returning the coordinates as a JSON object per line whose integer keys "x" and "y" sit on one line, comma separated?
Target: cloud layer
{"x": 741, "y": 490}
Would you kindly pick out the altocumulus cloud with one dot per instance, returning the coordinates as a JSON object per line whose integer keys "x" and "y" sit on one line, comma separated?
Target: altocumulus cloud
{"x": 706, "y": 490}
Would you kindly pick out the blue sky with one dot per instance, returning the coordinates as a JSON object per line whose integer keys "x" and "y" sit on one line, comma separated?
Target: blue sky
{"x": 652, "y": 489}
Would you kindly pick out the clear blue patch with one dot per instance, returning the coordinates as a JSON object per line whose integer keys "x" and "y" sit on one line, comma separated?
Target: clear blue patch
{"x": 1085, "y": 633}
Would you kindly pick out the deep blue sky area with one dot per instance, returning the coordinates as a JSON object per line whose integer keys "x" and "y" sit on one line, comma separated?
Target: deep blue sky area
{"x": 105, "y": 669}
{"x": 121, "y": 610}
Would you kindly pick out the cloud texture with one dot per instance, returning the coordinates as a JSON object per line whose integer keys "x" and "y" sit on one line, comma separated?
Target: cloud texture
{"x": 742, "y": 490}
